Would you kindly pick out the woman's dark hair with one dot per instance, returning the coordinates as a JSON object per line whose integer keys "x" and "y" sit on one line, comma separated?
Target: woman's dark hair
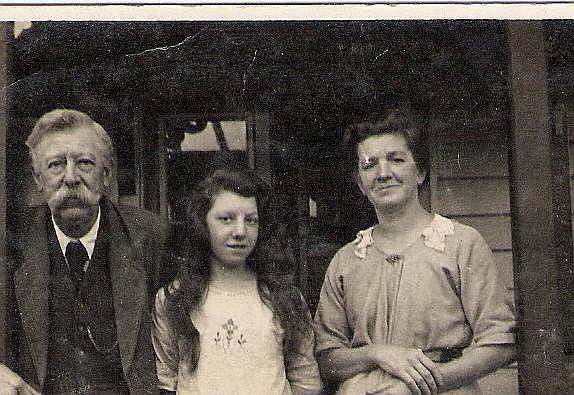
{"x": 398, "y": 121}
{"x": 275, "y": 290}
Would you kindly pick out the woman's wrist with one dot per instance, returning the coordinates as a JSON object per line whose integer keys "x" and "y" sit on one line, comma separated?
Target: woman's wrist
{"x": 373, "y": 355}
{"x": 442, "y": 384}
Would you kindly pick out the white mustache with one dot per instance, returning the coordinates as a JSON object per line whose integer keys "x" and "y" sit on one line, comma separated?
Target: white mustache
{"x": 79, "y": 193}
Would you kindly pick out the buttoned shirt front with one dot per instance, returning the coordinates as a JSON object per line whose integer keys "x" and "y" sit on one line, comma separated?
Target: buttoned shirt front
{"x": 88, "y": 240}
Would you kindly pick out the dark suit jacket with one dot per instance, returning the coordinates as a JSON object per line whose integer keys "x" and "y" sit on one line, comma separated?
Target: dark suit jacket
{"x": 137, "y": 243}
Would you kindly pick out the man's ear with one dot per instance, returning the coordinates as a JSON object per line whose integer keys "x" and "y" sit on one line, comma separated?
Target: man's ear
{"x": 38, "y": 180}
{"x": 107, "y": 177}
{"x": 421, "y": 177}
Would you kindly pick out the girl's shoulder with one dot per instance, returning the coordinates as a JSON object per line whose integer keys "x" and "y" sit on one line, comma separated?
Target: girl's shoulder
{"x": 283, "y": 288}
{"x": 164, "y": 292}
{"x": 162, "y": 295}
{"x": 174, "y": 286}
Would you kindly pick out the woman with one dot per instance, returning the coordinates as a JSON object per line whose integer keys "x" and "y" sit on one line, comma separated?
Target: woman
{"x": 413, "y": 305}
{"x": 228, "y": 324}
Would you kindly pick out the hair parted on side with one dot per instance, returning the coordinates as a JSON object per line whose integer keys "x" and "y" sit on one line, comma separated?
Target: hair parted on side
{"x": 65, "y": 120}
{"x": 266, "y": 260}
{"x": 399, "y": 121}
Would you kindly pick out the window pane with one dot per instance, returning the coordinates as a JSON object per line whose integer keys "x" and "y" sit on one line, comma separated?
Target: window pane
{"x": 194, "y": 149}
{"x": 206, "y": 140}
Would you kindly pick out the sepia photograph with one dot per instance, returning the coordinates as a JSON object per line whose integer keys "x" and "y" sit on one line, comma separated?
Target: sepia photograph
{"x": 287, "y": 199}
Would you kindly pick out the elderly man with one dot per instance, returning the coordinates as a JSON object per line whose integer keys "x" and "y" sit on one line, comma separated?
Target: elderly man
{"x": 85, "y": 271}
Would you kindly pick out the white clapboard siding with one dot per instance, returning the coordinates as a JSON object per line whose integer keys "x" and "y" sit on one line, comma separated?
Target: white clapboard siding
{"x": 495, "y": 229}
{"x": 472, "y": 187}
{"x": 473, "y": 159}
{"x": 473, "y": 196}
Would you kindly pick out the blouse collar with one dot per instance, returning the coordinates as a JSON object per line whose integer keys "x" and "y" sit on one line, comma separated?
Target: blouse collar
{"x": 433, "y": 236}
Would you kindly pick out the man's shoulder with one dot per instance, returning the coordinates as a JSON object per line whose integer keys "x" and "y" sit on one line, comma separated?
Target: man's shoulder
{"x": 140, "y": 215}
{"x": 24, "y": 213}
{"x": 26, "y": 220}
{"x": 142, "y": 219}
{"x": 26, "y": 223}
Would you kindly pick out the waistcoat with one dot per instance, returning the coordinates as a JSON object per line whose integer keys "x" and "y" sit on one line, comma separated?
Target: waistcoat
{"x": 83, "y": 351}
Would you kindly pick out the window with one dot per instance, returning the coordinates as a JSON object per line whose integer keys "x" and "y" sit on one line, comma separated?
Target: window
{"x": 193, "y": 147}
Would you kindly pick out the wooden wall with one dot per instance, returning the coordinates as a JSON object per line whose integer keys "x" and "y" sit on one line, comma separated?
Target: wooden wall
{"x": 472, "y": 186}
{"x": 5, "y": 27}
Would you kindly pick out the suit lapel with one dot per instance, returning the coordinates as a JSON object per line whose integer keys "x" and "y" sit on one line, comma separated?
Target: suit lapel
{"x": 31, "y": 282}
{"x": 128, "y": 283}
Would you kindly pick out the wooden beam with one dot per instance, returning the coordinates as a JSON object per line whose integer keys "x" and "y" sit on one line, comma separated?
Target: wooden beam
{"x": 4, "y": 63}
{"x": 563, "y": 219}
{"x": 162, "y": 171}
{"x": 138, "y": 138}
{"x": 541, "y": 364}
{"x": 303, "y": 233}
{"x": 259, "y": 145}
{"x": 431, "y": 200}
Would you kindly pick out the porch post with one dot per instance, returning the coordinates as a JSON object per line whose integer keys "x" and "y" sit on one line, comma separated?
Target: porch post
{"x": 537, "y": 270}
{"x": 5, "y": 33}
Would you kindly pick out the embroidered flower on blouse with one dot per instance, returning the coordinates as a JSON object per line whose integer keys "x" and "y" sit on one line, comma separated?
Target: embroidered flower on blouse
{"x": 229, "y": 326}
{"x": 363, "y": 240}
{"x": 435, "y": 234}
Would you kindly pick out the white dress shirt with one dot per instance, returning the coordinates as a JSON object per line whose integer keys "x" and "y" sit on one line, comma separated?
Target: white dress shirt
{"x": 88, "y": 240}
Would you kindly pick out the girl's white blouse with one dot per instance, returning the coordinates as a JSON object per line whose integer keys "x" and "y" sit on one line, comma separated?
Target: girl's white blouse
{"x": 241, "y": 349}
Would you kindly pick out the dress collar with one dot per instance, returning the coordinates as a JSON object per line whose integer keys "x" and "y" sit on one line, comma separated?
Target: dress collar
{"x": 433, "y": 236}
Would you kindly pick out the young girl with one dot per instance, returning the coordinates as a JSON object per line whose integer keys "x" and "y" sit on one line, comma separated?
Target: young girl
{"x": 228, "y": 324}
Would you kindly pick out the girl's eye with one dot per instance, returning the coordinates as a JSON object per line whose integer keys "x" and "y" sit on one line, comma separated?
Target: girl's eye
{"x": 225, "y": 219}
{"x": 398, "y": 160}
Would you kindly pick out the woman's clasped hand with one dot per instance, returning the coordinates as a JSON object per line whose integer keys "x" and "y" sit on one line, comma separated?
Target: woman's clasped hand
{"x": 411, "y": 365}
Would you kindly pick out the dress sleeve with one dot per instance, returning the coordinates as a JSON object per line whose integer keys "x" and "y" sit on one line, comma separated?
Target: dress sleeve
{"x": 489, "y": 312}
{"x": 301, "y": 366}
{"x": 331, "y": 326}
{"x": 164, "y": 344}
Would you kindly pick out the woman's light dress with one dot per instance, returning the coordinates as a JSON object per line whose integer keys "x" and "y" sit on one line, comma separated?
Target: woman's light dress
{"x": 441, "y": 294}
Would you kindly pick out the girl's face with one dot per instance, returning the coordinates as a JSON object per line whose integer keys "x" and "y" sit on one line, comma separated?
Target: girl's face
{"x": 233, "y": 226}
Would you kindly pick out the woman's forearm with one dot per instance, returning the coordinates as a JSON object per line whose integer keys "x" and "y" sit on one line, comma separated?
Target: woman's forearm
{"x": 342, "y": 363}
{"x": 409, "y": 365}
{"x": 300, "y": 391}
{"x": 474, "y": 363}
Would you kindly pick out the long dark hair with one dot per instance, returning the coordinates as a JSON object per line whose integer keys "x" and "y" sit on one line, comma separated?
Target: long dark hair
{"x": 267, "y": 260}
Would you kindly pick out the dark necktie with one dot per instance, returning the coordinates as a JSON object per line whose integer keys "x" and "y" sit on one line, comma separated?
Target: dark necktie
{"x": 76, "y": 255}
